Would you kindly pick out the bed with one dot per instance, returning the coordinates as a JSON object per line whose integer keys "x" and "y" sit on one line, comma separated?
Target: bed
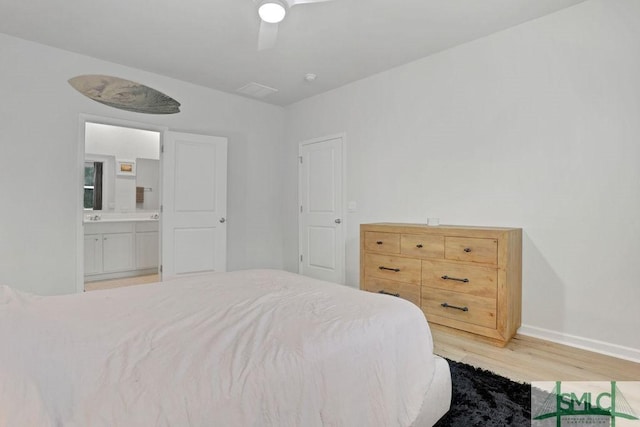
{"x": 246, "y": 348}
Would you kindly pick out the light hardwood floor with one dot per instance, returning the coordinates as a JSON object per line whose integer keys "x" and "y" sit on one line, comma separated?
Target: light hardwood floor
{"x": 527, "y": 359}
{"x": 119, "y": 283}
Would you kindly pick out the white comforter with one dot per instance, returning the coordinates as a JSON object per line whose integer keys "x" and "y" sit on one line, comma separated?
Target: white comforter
{"x": 251, "y": 348}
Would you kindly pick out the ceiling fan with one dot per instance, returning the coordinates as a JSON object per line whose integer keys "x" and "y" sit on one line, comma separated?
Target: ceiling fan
{"x": 271, "y": 12}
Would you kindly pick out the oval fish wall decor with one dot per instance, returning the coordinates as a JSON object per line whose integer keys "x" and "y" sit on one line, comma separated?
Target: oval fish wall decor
{"x": 124, "y": 94}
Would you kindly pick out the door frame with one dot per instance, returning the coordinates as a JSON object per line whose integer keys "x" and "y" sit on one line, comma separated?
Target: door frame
{"x": 343, "y": 137}
{"x": 83, "y": 119}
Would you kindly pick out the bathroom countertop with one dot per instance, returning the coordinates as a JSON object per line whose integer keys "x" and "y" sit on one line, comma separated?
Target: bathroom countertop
{"x": 99, "y": 221}
{"x": 99, "y": 218}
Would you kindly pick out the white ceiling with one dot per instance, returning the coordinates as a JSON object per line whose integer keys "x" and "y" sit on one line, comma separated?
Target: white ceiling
{"x": 213, "y": 43}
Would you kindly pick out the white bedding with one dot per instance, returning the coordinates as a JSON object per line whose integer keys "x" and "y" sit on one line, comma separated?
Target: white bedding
{"x": 248, "y": 348}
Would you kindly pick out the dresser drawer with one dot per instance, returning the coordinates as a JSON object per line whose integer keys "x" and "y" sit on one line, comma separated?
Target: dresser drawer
{"x": 388, "y": 243}
{"x": 408, "y": 291}
{"x": 471, "y": 249}
{"x": 469, "y": 279}
{"x": 462, "y": 307}
{"x": 392, "y": 268}
{"x": 422, "y": 246}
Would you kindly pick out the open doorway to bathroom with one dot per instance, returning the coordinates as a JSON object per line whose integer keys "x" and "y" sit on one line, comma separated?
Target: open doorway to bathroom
{"x": 120, "y": 204}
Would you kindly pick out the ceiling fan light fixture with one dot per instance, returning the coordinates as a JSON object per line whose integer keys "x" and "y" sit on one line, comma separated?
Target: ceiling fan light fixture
{"x": 272, "y": 11}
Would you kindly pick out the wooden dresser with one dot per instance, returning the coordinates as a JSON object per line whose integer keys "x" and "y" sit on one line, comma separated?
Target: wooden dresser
{"x": 466, "y": 278}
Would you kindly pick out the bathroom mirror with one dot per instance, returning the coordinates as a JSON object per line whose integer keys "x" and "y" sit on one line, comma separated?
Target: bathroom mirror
{"x": 121, "y": 169}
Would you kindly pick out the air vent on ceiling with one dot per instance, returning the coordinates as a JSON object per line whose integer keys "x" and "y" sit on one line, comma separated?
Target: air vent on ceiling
{"x": 256, "y": 90}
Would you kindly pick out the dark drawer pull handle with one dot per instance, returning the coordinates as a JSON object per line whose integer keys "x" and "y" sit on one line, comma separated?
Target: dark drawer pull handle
{"x": 446, "y": 305}
{"x": 467, "y": 250}
{"x": 465, "y": 280}
{"x": 390, "y": 269}
{"x": 419, "y": 245}
{"x": 379, "y": 242}
{"x": 388, "y": 293}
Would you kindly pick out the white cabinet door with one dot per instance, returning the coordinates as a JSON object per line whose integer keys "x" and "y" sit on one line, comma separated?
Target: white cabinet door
{"x": 92, "y": 254}
{"x": 117, "y": 252}
{"x": 194, "y": 196}
{"x": 147, "y": 250}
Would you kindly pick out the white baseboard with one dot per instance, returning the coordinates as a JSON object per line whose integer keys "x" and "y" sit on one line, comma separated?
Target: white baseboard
{"x": 602, "y": 347}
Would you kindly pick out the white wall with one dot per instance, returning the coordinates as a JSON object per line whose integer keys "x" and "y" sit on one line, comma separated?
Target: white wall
{"x": 40, "y": 112}
{"x": 536, "y": 127}
{"x": 121, "y": 142}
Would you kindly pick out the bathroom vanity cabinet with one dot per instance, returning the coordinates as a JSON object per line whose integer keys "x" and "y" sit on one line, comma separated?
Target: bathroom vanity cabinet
{"x": 120, "y": 249}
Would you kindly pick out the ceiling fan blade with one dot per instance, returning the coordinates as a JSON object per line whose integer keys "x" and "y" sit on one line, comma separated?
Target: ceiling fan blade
{"x": 267, "y": 36}
{"x": 294, "y": 2}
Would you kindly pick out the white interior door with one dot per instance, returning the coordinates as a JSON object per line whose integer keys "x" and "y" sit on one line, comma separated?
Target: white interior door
{"x": 322, "y": 236}
{"x": 194, "y": 200}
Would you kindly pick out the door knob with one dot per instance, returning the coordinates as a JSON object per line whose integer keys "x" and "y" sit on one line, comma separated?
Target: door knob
{"x": 338, "y": 221}
{"x": 222, "y": 220}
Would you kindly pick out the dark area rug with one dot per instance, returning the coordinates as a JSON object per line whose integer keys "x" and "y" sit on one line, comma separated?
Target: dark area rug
{"x": 482, "y": 398}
